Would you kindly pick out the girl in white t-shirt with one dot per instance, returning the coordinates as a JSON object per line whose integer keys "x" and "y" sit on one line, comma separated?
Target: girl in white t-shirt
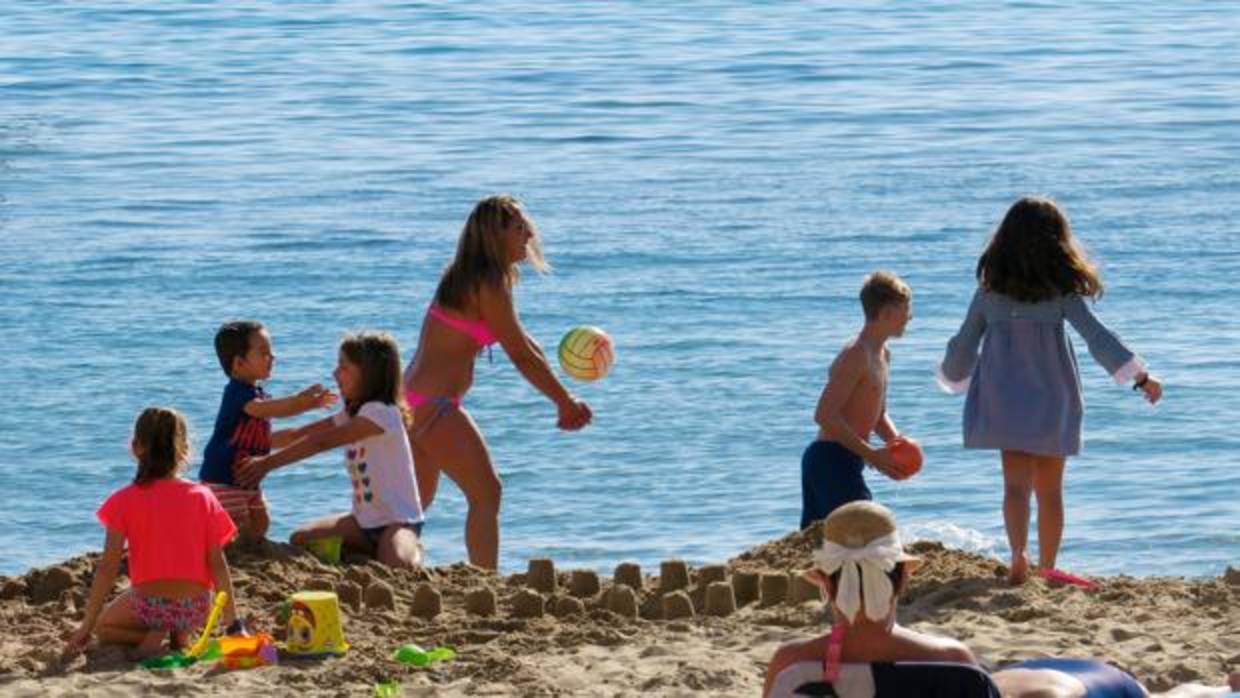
{"x": 386, "y": 520}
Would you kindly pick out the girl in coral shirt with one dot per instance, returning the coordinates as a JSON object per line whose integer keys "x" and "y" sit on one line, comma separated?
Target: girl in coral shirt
{"x": 175, "y": 530}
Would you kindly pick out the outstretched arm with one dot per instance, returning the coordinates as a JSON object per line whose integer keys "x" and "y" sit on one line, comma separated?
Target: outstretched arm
{"x": 308, "y": 399}
{"x": 500, "y": 313}
{"x": 284, "y": 438}
{"x": 1119, "y": 361}
{"x": 1108, "y": 350}
{"x": 251, "y": 471}
{"x": 100, "y": 587}
{"x": 954, "y": 374}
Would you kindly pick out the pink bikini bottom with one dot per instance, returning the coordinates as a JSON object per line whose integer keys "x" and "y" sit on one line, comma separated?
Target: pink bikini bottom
{"x": 414, "y": 399}
{"x": 442, "y": 403}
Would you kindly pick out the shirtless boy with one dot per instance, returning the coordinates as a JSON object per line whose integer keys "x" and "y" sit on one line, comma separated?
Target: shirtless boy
{"x": 854, "y": 405}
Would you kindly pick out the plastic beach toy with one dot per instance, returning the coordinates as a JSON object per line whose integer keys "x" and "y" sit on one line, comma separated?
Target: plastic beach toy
{"x": 326, "y": 549}
{"x": 586, "y": 353}
{"x": 169, "y": 661}
{"x": 247, "y": 652}
{"x": 387, "y": 689}
{"x": 415, "y": 655}
{"x": 221, "y": 600}
{"x": 1061, "y": 577}
{"x": 907, "y": 455}
{"x": 200, "y": 650}
{"x": 314, "y": 626}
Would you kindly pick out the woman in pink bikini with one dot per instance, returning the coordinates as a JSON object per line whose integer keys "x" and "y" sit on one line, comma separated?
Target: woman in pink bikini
{"x": 473, "y": 308}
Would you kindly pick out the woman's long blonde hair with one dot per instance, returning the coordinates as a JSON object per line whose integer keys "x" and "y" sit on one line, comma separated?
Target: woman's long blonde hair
{"x": 481, "y": 252}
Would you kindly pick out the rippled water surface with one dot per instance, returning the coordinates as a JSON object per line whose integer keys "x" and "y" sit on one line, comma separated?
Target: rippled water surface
{"x": 712, "y": 181}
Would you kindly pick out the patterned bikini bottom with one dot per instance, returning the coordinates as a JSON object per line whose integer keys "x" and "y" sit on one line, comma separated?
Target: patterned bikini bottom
{"x": 179, "y": 615}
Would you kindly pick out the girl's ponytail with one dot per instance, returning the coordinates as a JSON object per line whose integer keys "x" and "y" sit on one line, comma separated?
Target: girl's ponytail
{"x": 161, "y": 442}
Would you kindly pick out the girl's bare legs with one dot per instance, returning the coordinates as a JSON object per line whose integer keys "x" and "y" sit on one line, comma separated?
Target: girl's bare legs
{"x": 343, "y": 525}
{"x": 425, "y": 470}
{"x": 1018, "y": 479}
{"x": 399, "y": 547}
{"x": 454, "y": 445}
{"x": 1048, "y": 485}
{"x": 119, "y": 625}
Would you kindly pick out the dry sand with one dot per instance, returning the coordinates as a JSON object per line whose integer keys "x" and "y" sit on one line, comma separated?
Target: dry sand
{"x": 1165, "y": 631}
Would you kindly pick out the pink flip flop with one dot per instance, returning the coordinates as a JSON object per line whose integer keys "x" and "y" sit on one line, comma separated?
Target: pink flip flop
{"x": 1056, "y": 575}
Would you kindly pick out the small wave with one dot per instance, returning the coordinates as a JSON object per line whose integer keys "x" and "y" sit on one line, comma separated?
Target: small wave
{"x": 955, "y": 536}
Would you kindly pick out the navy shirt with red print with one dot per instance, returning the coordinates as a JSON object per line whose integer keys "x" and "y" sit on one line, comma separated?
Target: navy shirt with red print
{"x": 236, "y": 435}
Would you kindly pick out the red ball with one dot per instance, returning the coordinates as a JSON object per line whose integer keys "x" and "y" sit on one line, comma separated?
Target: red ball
{"x": 907, "y": 455}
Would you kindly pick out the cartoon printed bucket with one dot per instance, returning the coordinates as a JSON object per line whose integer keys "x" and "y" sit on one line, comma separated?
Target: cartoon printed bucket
{"x": 326, "y": 549}
{"x": 314, "y": 624}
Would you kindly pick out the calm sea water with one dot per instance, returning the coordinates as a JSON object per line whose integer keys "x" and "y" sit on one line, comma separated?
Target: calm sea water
{"x": 712, "y": 180}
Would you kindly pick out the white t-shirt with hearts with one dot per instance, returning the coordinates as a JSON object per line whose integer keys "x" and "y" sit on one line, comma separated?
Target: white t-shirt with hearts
{"x": 385, "y": 490}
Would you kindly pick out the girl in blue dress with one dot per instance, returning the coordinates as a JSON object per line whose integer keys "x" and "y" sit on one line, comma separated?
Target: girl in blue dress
{"x": 1024, "y": 388}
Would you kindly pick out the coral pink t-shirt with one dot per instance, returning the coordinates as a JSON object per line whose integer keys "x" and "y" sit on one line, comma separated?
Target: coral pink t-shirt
{"x": 170, "y": 525}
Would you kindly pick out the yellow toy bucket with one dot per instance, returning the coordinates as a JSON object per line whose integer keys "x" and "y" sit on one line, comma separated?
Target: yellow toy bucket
{"x": 314, "y": 624}
{"x": 326, "y": 549}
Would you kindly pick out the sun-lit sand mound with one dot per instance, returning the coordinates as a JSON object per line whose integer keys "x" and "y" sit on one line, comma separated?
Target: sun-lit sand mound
{"x": 667, "y": 632}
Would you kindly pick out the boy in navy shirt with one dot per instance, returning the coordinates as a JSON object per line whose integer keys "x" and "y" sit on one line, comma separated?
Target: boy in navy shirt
{"x": 243, "y": 425}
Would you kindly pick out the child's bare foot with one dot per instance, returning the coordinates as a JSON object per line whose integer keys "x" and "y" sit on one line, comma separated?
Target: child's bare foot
{"x": 1018, "y": 572}
{"x": 180, "y": 641}
{"x": 152, "y": 645}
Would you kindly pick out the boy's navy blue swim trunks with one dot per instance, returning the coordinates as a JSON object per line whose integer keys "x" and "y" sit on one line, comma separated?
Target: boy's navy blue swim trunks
{"x": 831, "y": 476}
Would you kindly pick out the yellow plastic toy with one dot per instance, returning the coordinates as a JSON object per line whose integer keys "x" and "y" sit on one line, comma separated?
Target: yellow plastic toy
{"x": 314, "y": 626}
{"x": 221, "y": 600}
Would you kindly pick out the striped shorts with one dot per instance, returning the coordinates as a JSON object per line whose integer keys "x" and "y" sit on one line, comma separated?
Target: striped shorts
{"x": 239, "y": 502}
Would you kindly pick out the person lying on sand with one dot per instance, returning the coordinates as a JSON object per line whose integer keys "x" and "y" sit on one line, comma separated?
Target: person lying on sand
{"x": 1088, "y": 678}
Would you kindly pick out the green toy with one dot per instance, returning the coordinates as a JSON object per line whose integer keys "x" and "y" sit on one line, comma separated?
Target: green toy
{"x": 178, "y": 660}
{"x": 415, "y": 655}
{"x": 387, "y": 689}
{"x": 169, "y": 661}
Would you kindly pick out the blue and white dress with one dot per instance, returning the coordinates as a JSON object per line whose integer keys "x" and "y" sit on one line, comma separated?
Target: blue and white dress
{"x": 1024, "y": 387}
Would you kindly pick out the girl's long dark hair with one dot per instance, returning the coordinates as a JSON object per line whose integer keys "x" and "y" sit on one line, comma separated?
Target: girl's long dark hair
{"x": 162, "y": 437}
{"x": 378, "y": 356}
{"x": 1033, "y": 255}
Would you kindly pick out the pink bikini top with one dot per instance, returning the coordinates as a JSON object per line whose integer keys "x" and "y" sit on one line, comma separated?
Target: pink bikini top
{"x": 477, "y": 329}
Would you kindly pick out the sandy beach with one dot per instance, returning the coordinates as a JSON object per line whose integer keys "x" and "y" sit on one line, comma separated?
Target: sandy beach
{"x": 590, "y": 637}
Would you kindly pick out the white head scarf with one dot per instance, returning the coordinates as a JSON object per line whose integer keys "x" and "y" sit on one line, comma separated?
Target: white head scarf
{"x": 863, "y": 568}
